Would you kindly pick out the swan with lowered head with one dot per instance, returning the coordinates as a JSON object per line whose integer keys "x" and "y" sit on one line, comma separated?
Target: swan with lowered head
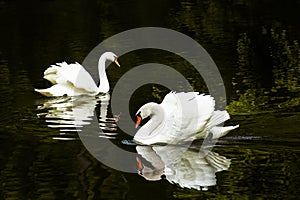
{"x": 74, "y": 80}
{"x": 181, "y": 117}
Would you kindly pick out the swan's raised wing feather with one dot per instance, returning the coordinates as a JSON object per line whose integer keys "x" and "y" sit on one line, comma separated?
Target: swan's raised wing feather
{"x": 196, "y": 110}
{"x": 170, "y": 103}
{"x": 188, "y": 112}
{"x": 75, "y": 74}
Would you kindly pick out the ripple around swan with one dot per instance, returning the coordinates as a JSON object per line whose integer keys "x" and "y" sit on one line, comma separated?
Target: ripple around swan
{"x": 70, "y": 114}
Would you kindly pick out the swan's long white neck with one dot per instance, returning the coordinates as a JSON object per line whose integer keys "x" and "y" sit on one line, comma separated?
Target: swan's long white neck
{"x": 156, "y": 122}
{"x": 104, "y": 84}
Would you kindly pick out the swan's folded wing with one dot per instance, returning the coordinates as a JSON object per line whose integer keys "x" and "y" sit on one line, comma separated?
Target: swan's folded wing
{"x": 74, "y": 74}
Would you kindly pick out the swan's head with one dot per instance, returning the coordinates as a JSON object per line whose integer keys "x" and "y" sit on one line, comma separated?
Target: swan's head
{"x": 145, "y": 111}
{"x": 111, "y": 57}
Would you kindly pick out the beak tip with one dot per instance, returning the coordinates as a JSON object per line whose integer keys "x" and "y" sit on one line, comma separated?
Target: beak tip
{"x": 138, "y": 121}
{"x": 117, "y": 63}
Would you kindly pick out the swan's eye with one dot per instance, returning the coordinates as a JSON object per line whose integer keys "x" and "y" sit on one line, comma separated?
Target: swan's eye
{"x": 144, "y": 121}
{"x": 115, "y": 58}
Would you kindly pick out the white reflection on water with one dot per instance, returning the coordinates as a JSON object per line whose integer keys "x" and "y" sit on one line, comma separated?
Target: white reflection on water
{"x": 189, "y": 168}
{"x": 70, "y": 114}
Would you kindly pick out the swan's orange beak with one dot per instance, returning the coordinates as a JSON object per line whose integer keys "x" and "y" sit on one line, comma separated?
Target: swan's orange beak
{"x": 140, "y": 166}
{"x": 138, "y": 121}
{"x": 117, "y": 63}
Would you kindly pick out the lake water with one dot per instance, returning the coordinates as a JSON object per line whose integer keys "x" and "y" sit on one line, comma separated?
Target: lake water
{"x": 255, "y": 46}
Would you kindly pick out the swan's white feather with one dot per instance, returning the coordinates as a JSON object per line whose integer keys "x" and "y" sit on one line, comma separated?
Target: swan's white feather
{"x": 75, "y": 74}
{"x": 188, "y": 116}
{"x": 61, "y": 90}
{"x": 73, "y": 79}
{"x": 220, "y": 131}
{"x": 188, "y": 111}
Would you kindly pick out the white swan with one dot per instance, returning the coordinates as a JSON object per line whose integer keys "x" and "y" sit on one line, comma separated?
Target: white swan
{"x": 181, "y": 117}
{"x": 74, "y": 80}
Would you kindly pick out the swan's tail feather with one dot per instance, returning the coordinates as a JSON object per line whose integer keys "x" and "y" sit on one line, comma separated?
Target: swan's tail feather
{"x": 217, "y": 118}
{"x": 52, "y": 78}
{"x": 51, "y": 70}
{"x": 51, "y": 74}
{"x": 55, "y": 73}
{"x": 44, "y": 92}
{"x": 222, "y": 131}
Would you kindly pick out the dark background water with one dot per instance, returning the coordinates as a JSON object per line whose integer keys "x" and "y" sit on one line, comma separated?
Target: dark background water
{"x": 254, "y": 44}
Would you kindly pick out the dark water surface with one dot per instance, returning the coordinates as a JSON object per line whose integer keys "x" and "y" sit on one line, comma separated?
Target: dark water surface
{"x": 254, "y": 44}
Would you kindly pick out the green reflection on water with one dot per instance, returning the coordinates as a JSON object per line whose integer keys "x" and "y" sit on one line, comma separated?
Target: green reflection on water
{"x": 285, "y": 64}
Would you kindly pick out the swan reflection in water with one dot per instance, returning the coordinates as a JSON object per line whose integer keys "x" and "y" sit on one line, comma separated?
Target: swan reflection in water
{"x": 189, "y": 168}
{"x": 70, "y": 114}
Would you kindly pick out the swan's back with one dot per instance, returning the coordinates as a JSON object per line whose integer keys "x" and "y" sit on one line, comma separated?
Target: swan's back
{"x": 75, "y": 74}
{"x": 188, "y": 112}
